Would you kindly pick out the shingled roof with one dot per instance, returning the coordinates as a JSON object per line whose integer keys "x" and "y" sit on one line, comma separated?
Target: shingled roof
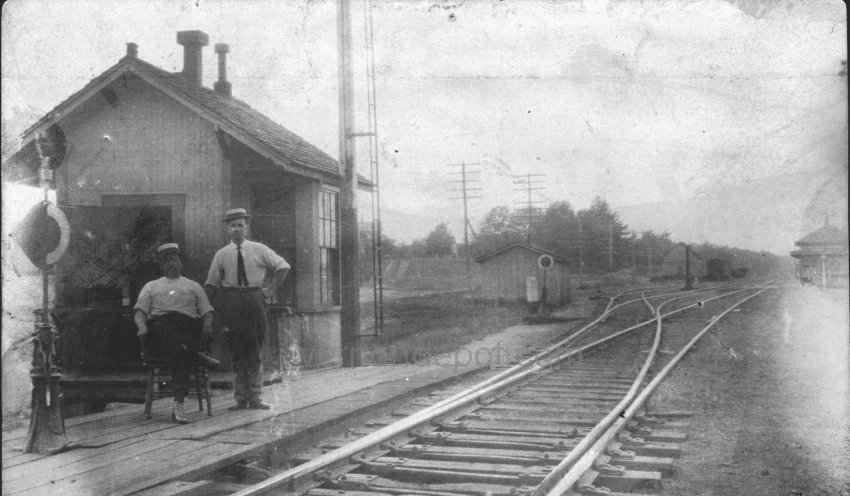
{"x": 234, "y": 116}
{"x": 826, "y": 235}
{"x": 519, "y": 244}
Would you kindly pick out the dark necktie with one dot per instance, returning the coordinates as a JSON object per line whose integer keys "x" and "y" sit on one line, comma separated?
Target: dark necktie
{"x": 241, "y": 278}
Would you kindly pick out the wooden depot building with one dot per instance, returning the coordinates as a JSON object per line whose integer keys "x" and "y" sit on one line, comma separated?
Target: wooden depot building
{"x": 822, "y": 257}
{"x": 142, "y": 156}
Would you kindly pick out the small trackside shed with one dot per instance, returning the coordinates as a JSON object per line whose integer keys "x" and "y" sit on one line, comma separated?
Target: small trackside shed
{"x": 504, "y": 273}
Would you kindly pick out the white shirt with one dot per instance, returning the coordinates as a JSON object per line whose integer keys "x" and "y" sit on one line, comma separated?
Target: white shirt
{"x": 181, "y": 295}
{"x": 258, "y": 258}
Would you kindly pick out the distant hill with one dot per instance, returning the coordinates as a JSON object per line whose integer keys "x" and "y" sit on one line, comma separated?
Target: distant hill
{"x": 776, "y": 209}
{"x": 405, "y": 228}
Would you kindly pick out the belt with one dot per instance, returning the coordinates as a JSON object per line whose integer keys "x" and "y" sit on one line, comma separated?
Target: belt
{"x": 241, "y": 290}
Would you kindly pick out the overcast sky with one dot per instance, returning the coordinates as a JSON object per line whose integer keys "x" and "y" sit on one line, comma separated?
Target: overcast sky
{"x": 641, "y": 102}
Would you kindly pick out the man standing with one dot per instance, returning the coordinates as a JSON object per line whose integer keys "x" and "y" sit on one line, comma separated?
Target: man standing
{"x": 167, "y": 314}
{"x": 239, "y": 270}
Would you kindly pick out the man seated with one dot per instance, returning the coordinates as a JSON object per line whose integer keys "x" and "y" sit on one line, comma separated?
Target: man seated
{"x": 170, "y": 314}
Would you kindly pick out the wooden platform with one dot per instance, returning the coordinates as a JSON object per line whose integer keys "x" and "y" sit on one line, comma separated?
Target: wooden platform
{"x": 119, "y": 452}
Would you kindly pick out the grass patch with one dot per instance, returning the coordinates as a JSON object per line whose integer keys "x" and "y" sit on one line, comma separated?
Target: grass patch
{"x": 422, "y": 326}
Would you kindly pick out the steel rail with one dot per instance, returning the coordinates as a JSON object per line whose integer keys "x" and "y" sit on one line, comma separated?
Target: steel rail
{"x": 466, "y": 396}
{"x": 612, "y": 416}
{"x": 532, "y": 366}
{"x": 570, "y": 470}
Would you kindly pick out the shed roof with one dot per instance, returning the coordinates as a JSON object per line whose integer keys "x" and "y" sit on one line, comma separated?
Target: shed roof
{"x": 255, "y": 130}
{"x": 519, "y": 244}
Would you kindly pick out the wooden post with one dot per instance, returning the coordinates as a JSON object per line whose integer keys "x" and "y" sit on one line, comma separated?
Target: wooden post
{"x": 350, "y": 290}
{"x": 688, "y": 267}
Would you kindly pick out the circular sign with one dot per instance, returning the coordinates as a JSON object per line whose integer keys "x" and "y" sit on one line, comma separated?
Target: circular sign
{"x": 43, "y": 235}
{"x": 545, "y": 262}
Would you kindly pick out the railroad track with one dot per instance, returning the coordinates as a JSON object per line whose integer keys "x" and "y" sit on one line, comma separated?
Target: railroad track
{"x": 570, "y": 418}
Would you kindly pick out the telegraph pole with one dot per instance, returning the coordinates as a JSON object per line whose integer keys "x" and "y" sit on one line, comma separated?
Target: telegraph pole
{"x": 350, "y": 291}
{"x": 525, "y": 184}
{"x": 464, "y": 189}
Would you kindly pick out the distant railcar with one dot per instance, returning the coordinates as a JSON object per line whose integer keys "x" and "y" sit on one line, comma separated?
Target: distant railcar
{"x": 739, "y": 272}
{"x": 718, "y": 269}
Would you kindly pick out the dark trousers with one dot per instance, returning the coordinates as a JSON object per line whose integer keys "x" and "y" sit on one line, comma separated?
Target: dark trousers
{"x": 244, "y": 314}
{"x": 174, "y": 337}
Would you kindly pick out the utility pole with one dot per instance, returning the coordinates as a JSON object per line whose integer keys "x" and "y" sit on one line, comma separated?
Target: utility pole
{"x": 611, "y": 247}
{"x": 464, "y": 189}
{"x": 350, "y": 291}
{"x": 525, "y": 184}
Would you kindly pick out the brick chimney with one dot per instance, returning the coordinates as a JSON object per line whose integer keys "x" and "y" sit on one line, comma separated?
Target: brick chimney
{"x": 193, "y": 45}
{"x": 132, "y": 50}
{"x": 222, "y": 85}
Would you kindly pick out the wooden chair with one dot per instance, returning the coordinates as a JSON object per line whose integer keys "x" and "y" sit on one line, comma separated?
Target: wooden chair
{"x": 159, "y": 374}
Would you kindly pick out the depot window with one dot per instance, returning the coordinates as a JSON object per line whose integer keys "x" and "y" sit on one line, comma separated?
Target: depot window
{"x": 328, "y": 247}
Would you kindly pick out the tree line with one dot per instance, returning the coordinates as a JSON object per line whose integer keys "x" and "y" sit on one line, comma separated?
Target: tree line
{"x": 592, "y": 240}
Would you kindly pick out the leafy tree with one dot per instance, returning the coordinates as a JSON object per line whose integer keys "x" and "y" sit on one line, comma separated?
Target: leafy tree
{"x": 602, "y": 233}
{"x": 499, "y": 228}
{"x": 440, "y": 242}
{"x": 557, "y": 230}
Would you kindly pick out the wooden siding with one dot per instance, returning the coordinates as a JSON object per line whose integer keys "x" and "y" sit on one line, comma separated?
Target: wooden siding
{"x": 154, "y": 146}
{"x": 504, "y": 276}
{"x": 158, "y": 148}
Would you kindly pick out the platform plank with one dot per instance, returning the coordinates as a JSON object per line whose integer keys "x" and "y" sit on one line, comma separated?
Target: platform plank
{"x": 53, "y": 469}
{"x": 192, "y": 465}
{"x": 123, "y": 452}
{"x": 122, "y": 471}
{"x": 46, "y": 462}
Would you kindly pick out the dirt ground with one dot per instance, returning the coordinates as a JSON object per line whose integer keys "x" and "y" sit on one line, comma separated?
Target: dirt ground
{"x": 769, "y": 389}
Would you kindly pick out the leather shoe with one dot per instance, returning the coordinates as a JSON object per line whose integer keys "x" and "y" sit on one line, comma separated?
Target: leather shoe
{"x": 258, "y": 405}
{"x": 177, "y": 413}
{"x": 239, "y": 405}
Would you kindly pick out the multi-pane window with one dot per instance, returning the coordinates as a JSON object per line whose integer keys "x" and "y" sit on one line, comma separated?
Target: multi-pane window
{"x": 328, "y": 248}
